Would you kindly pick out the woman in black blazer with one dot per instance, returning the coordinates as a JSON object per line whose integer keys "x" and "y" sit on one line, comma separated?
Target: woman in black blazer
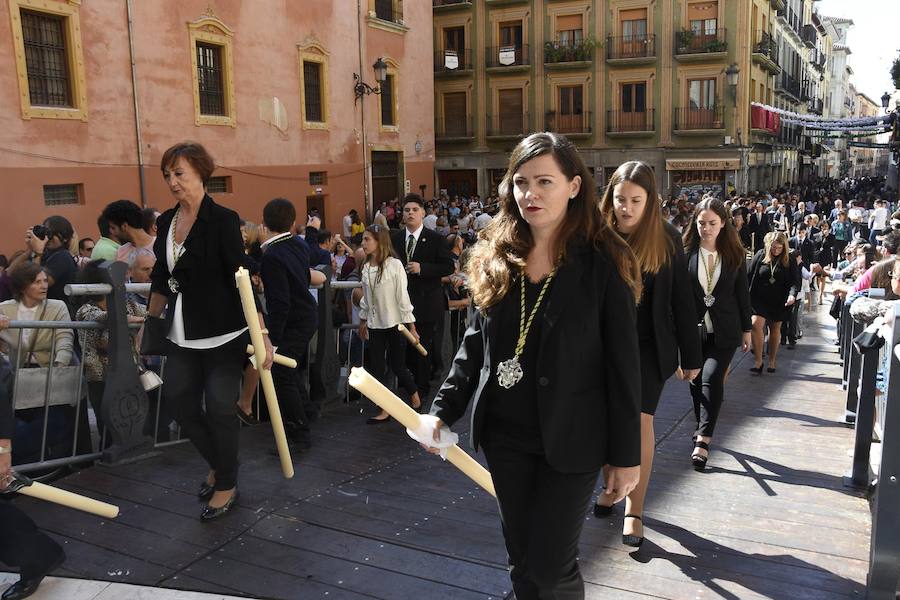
{"x": 666, "y": 318}
{"x": 198, "y": 249}
{"x": 774, "y": 286}
{"x": 550, "y": 362}
{"x": 717, "y": 267}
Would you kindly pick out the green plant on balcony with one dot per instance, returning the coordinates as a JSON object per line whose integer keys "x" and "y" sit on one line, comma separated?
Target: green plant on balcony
{"x": 685, "y": 39}
{"x": 554, "y": 52}
{"x": 716, "y": 45}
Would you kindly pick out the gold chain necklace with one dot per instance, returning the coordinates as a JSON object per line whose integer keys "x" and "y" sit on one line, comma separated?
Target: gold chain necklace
{"x": 173, "y": 283}
{"x": 509, "y": 372}
{"x": 709, "y": 299}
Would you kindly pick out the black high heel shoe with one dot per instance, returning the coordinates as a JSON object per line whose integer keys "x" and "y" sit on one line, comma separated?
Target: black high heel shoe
{"x": 698, "y": 461}
{"x": 758, "y": 370}
{"x": 209, "y": 513}
{"x": 634, "y": 541}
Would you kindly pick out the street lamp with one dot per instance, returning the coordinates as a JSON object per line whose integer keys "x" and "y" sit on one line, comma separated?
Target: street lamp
{"x": 731, "y": 77}
{"x": 361, "y": 88}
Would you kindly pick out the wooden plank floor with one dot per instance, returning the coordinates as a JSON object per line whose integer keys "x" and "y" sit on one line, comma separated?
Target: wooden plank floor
{"x": 369, "y": 515}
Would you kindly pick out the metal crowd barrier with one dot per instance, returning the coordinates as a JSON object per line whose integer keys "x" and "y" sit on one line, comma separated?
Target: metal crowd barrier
{"x": 884, "y": 548}
{"x": 126, "y": 407}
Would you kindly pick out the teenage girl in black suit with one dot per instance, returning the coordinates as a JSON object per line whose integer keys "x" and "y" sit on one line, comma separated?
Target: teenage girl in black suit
{"x": 716, "y": 263}
{"x": 666, "y": 317}
{"x": 550, "y": 362}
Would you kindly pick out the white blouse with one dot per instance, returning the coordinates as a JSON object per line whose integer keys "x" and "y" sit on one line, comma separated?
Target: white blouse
{"x": 176, "y": 334}
{"x": 385, "y": 302}
{"x": 701, "y": 277}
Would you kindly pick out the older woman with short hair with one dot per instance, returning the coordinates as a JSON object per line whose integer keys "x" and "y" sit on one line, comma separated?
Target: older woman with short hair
{"x": 198, "y": 250}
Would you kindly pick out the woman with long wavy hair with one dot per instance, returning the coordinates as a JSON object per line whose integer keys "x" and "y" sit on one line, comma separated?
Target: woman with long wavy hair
{"x": 384, "y": 305}
{"x": 550, "y": 362}
{"x": 718, "y": 272}
{"x": 774, "y": 287}
{"x": 666, "y": 317}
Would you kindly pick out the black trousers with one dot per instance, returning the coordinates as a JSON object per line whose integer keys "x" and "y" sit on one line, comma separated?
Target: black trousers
{"x": 23, "y": 545}
{"x": 708, "y": 388}
{"x": 293, "y": 395}
{"x": 420, "y": 366}
{"x": 389, "y": 347}
{"x": 204, "y": 386}
{"x": 542, "y": 511}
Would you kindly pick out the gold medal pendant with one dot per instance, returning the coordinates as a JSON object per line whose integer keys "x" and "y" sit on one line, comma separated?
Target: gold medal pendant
{"x": 509, "y": 372}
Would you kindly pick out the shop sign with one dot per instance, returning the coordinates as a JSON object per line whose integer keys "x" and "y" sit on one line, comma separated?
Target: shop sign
{"x": 703, "y": 164}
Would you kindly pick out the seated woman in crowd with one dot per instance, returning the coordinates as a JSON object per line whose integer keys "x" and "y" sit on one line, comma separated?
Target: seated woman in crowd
{"x": 95, "y": 342}
{"x": 33, "y": 346}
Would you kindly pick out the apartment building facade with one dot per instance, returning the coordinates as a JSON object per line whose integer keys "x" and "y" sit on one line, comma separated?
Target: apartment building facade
{"x": 269, "y": 91}
{"x": 668, "y": 82}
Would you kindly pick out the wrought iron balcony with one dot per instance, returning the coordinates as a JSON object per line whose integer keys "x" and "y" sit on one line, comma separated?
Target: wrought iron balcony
{"x": 700, "y": 42}
{"x": 452, "y": 61}
{"x": 508, "y": 56}
{"x": 566, "y": 52}
{"x": 631, "y": 47}
{"x": 570, "y": 124}
{"x": 694, "y": 118}
{"x": 454, "y": 128}
{"x": 508, "y": 125}
{"x": 620, "y": 121}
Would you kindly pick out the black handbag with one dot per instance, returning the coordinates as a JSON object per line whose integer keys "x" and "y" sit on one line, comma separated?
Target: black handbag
{"x": 868, "y": 340}
{"x": 155, "y": 340}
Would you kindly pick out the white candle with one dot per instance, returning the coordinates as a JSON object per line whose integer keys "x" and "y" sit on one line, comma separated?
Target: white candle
{"x": 361, "y": 380}
{"x": 69, "y": 499}
{"x": 284, "y": 361}
{"x": 242, "y": 277}
{"x": 412, "y": 339}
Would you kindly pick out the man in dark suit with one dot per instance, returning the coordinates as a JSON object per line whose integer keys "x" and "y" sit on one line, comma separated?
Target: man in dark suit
{"x": 22, "y": 544}
{"x": 427, "y": 259}
{"x": 760, "y": 224}
{"x": 804, "y": 243}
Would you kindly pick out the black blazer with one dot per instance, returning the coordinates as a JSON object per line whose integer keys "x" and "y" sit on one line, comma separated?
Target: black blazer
{"x": 291, "y": 315}
{"x": 425, "y": 290}
{"x": 807, "y": 249}
{"x": 674, "y": 315}
{"x": 588, "y": 375}
{"x": 730, "y": 314}
{"x": 205, "y": 273}
{"x": 760, "y": 224}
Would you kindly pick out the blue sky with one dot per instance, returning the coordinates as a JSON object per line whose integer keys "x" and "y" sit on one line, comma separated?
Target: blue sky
{"x": 874, "y": 41}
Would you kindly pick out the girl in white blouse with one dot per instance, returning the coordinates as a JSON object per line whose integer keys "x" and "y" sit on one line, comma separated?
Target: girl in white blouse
{"x": 384, "y": 305}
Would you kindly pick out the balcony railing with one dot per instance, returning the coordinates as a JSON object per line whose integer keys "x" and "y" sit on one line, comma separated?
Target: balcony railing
{"x": 700, "y": 42}
{"x": 449, "y": 2}
{"x": 454, "y": 128}
{"x": 507, "y": 125}
{"x": 569, "y": 124}
{"x": 767, "y": 47}
{"x": 815, "y": 106}
{"x": 789, "y": 85}
{"x": 687, "y": 119}
{"x": 620, "y": 121}
{"x": 444, "y": 60}
{"x": 508, "y": 56}
{"x": 572, "y": 51}
{"x": 808, "y": 35}
{"x": 631, "y": 46}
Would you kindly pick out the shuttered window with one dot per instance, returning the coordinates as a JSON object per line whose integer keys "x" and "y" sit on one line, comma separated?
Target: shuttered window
{"x": 569, "y": 29}
{"x": 312, "y": 91}
{"x": 46, "y": 59}
{"x": 511, "y": 113}
{"x": 455, "y": 117}
{"x": 209, "y": 79}
{"x": 388, "y": 118}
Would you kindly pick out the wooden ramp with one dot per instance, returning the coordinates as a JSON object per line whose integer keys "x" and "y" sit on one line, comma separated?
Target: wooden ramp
{"x": 369, "y": 515}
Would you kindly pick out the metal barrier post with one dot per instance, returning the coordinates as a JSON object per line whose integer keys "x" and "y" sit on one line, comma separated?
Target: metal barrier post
{"x": 845, "y": 328}
{"x": 858, "y": 477}
{"x": 884, "y": 549}
{"x": 125, "y": 407}
{"x": 853, "y": 363}
{"x": 326, "y": 371}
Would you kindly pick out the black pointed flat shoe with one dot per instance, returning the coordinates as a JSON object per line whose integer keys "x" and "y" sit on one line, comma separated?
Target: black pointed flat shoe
{"x": 247, "y": 418}
{"x": 758, "y": 370}
{"x": 376, "y": 421}
{"x": 209, "y": 513}
{"x": 601, "y": 510}
{"x": 634, "y": 541}
{"x": 26, "y": 587}
{"x": 206, "y": 490}
{"x": 770, "y": 369}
